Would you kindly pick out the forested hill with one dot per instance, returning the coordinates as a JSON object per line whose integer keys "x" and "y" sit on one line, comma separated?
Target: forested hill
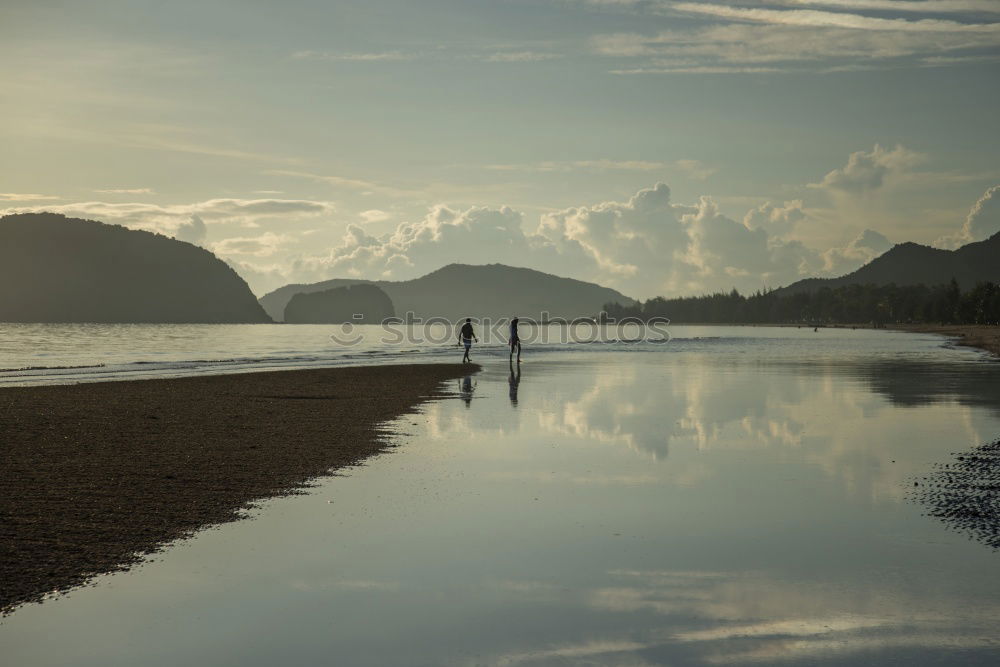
{"x": 462, "y": 290}
{"x": 59, "y": 269}
{"x": 849, "y": 304}
{"x": 915, "y": 264}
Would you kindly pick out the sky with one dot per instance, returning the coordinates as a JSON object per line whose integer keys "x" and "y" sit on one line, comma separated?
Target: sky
{"x": 657, "y": 147}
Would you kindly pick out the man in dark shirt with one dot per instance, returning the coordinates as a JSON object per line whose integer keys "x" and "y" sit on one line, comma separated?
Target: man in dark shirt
{"x": 515, "y": 340}
{"x": 465, "y": 337}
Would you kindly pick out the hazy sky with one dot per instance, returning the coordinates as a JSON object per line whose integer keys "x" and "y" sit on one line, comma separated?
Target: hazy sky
{"x": 657, "y": 147}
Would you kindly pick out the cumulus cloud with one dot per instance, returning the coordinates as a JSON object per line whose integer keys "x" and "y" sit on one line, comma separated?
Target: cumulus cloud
{"x": 775, "y": 220}
{"x": 621, "y": 237}
{"x": 869, "y": 171}
{"x": 193, "y": 231}
{"x": 728, "y": 253}
{"x": 984, "y": 218}
{"x": 982, "y": 222}
{"x": 645, "y": 246}
{"x": 477, "y": 235}
{"x": 868, "y": 245}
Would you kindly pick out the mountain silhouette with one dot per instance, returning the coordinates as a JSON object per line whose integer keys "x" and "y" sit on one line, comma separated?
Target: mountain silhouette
{"x": 463, "y": 290}
{"x": 915, "y": 264}
{"x": 59, "y": 269}
{"x": 360, "y": 304}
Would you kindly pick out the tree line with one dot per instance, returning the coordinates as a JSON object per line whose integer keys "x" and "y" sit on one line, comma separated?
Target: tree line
{"x": 876, "y": 304}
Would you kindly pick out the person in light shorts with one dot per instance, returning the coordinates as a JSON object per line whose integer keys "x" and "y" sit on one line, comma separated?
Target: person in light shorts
{"x": 465, "y": 337}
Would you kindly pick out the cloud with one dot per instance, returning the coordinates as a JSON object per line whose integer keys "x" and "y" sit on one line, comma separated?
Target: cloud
{"x": 919, "y": 6}
{"x": 813, "y": 18}
{"x": 737, "y": 46}
{"x": 171, "y": 219}
{"x": 193, "y": 231}
{"x": 126, "y": 191}
{"x": 621, "y": 237}
{"x": 262, "y": 278}
{"x": 776, "y": 220}
{"x": 264, "y": 245}
{"x": 374, "y": 215}
{"x": 929, "y": 6}
{"x": 477, "y": 235}
{"x": 727, "y": 253}
{"x": 666, "y": 68}
{"x": 982, "y": 222}
{"x": 868, "y": 245}
{"x": 869, "y": 171}
{"x": 645, "y": 246}
{"x": 984, "y": 218}
{"x": 21, "y": 196}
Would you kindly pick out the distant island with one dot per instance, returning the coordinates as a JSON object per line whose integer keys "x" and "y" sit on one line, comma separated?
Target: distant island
{"x": 360, "y": 304}
{"x": 462, "y": 290}
{"x": 59, "y": 269}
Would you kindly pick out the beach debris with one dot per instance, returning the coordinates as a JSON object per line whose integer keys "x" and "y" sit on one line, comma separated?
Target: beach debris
{"x": 965, "y": 493}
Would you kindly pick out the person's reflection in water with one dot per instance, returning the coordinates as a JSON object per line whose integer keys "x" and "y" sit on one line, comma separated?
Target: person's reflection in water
{"x": 514, "y": 380}
{"x": 465, "y": 389}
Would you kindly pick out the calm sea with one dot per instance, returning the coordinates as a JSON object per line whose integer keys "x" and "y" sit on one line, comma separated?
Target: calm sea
{"x": 66, "y": 353}
{"x": 733, "y": 496}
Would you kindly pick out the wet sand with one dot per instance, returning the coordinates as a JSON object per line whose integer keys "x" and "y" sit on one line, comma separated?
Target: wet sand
{"x": 965, "y": 493}
{"x": 95, "y": 476}
{"x": 979, "y": 336}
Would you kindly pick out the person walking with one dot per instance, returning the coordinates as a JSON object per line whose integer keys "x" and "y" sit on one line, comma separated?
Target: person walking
{"x": 465, "y": 337}
{"x": 515, "y": 340}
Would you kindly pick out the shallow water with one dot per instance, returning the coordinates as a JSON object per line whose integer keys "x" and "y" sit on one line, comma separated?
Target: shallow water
{"x": 32, "y": 354}
{"x": 742, "y": 500}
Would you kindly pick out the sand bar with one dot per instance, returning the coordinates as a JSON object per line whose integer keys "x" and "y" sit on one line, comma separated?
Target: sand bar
{"x": 96, "y": 475}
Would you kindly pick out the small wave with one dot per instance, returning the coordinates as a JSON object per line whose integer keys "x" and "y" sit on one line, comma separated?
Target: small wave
{"x": 49, "y": 368}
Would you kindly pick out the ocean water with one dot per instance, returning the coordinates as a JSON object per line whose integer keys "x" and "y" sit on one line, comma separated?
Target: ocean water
{"x": 68, "y": 353}
{"x": 733, "y": 496}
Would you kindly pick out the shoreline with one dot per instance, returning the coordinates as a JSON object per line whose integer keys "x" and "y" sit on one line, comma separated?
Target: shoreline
{"x": 97, "y": 476}
{"x": 979, "y": 336}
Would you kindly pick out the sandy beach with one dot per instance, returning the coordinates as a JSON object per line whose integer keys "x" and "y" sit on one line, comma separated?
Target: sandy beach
{"x": 97, "y": 475}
